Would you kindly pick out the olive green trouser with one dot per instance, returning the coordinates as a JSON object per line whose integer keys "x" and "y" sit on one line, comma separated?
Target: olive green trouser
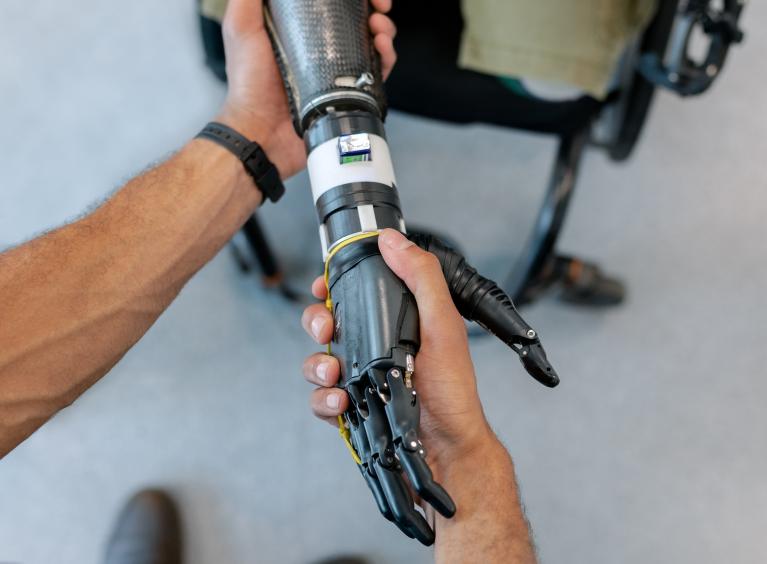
{"x": 213, "y": 9}
{"x": 574, "y": 42}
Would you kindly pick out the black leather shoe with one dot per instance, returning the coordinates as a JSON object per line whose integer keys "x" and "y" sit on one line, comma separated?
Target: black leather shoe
{"x": 147, "y": 531}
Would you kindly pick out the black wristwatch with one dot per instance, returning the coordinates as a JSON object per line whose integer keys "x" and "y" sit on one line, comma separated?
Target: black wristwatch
{"x": 258, "y": 165}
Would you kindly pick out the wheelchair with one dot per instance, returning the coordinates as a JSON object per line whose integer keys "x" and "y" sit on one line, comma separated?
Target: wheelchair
{"x": 665, "y": 55}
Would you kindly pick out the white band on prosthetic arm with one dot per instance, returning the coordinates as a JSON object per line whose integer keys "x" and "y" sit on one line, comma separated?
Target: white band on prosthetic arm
{"x": 326, "y": 171}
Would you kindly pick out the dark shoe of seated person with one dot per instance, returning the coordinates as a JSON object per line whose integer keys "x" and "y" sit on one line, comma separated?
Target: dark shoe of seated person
{"x": 147, "y": 531}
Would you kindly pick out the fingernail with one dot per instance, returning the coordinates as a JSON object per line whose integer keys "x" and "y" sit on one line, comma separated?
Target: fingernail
{"x": 332, "y": 401}
{"x": 318, "y": 323}
{"x": 395, "y": 240}
{"x": 322, "y": 372}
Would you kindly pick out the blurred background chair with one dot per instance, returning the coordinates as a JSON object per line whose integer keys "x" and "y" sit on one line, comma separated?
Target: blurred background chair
{"x": 682, "y": 48}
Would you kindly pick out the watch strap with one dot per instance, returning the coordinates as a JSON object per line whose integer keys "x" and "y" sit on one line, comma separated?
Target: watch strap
{"x": 252, "y": 156}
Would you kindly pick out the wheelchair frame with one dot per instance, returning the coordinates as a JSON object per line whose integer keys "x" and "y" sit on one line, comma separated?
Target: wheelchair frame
{"x": 541, "y": 266}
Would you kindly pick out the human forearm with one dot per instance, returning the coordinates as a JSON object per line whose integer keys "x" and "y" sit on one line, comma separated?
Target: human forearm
{"x": 490, "y": 525}
{"x": 74, "y": 301}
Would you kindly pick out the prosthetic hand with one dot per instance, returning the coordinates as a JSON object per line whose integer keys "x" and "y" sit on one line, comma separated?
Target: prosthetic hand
{"x": 333, "y": 82}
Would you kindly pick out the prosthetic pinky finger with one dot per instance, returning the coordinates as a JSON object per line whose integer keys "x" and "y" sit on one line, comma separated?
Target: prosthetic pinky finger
{"x": 410, "y": 521}
{"x": 378, "y": 494}
{"x": 421, "y": 477}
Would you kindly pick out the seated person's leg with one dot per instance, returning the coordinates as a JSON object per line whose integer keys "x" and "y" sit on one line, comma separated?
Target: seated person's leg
{"x": 213, "y": 9}
{"x": 560, "y": 43}
{"x": 429, "y": 81}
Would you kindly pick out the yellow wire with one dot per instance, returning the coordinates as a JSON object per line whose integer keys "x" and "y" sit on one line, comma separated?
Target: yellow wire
{"x": 342, "y": 429}
{"x": 347, "y": 438}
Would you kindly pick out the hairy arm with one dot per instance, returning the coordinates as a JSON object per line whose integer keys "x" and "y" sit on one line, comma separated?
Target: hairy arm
{"x": 75, "y": 300}
{"x": 490, "y": 525}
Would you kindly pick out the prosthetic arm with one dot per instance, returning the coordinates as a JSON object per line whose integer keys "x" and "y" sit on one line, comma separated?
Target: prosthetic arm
{"x": 334, "y": 86}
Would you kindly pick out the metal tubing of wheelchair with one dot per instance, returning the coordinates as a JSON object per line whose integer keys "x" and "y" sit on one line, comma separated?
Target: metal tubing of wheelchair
{"x": 261, "y": 248}
{"x": 641, "y": 92}
{"x": 540, "y": 246}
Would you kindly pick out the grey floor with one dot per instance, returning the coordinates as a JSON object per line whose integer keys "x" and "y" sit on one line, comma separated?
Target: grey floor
{"x": 652, "y": 450}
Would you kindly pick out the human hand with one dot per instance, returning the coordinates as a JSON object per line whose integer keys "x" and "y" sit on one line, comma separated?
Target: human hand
{"x": 464, "y": 454}
{"x": 256, "y": 104}
{"x": 452, "y": 422}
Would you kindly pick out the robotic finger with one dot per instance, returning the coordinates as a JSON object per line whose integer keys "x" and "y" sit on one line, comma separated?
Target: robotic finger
{"x": 482, "y": 301}
{"x": 360, "y": 447}
{"x": 388, "y": 470}
{"x": 406, "y": 517}
{"x": 404, "y": 414}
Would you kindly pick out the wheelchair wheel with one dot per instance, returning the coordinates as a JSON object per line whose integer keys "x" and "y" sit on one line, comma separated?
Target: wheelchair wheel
{"x": 640, "y": 93}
